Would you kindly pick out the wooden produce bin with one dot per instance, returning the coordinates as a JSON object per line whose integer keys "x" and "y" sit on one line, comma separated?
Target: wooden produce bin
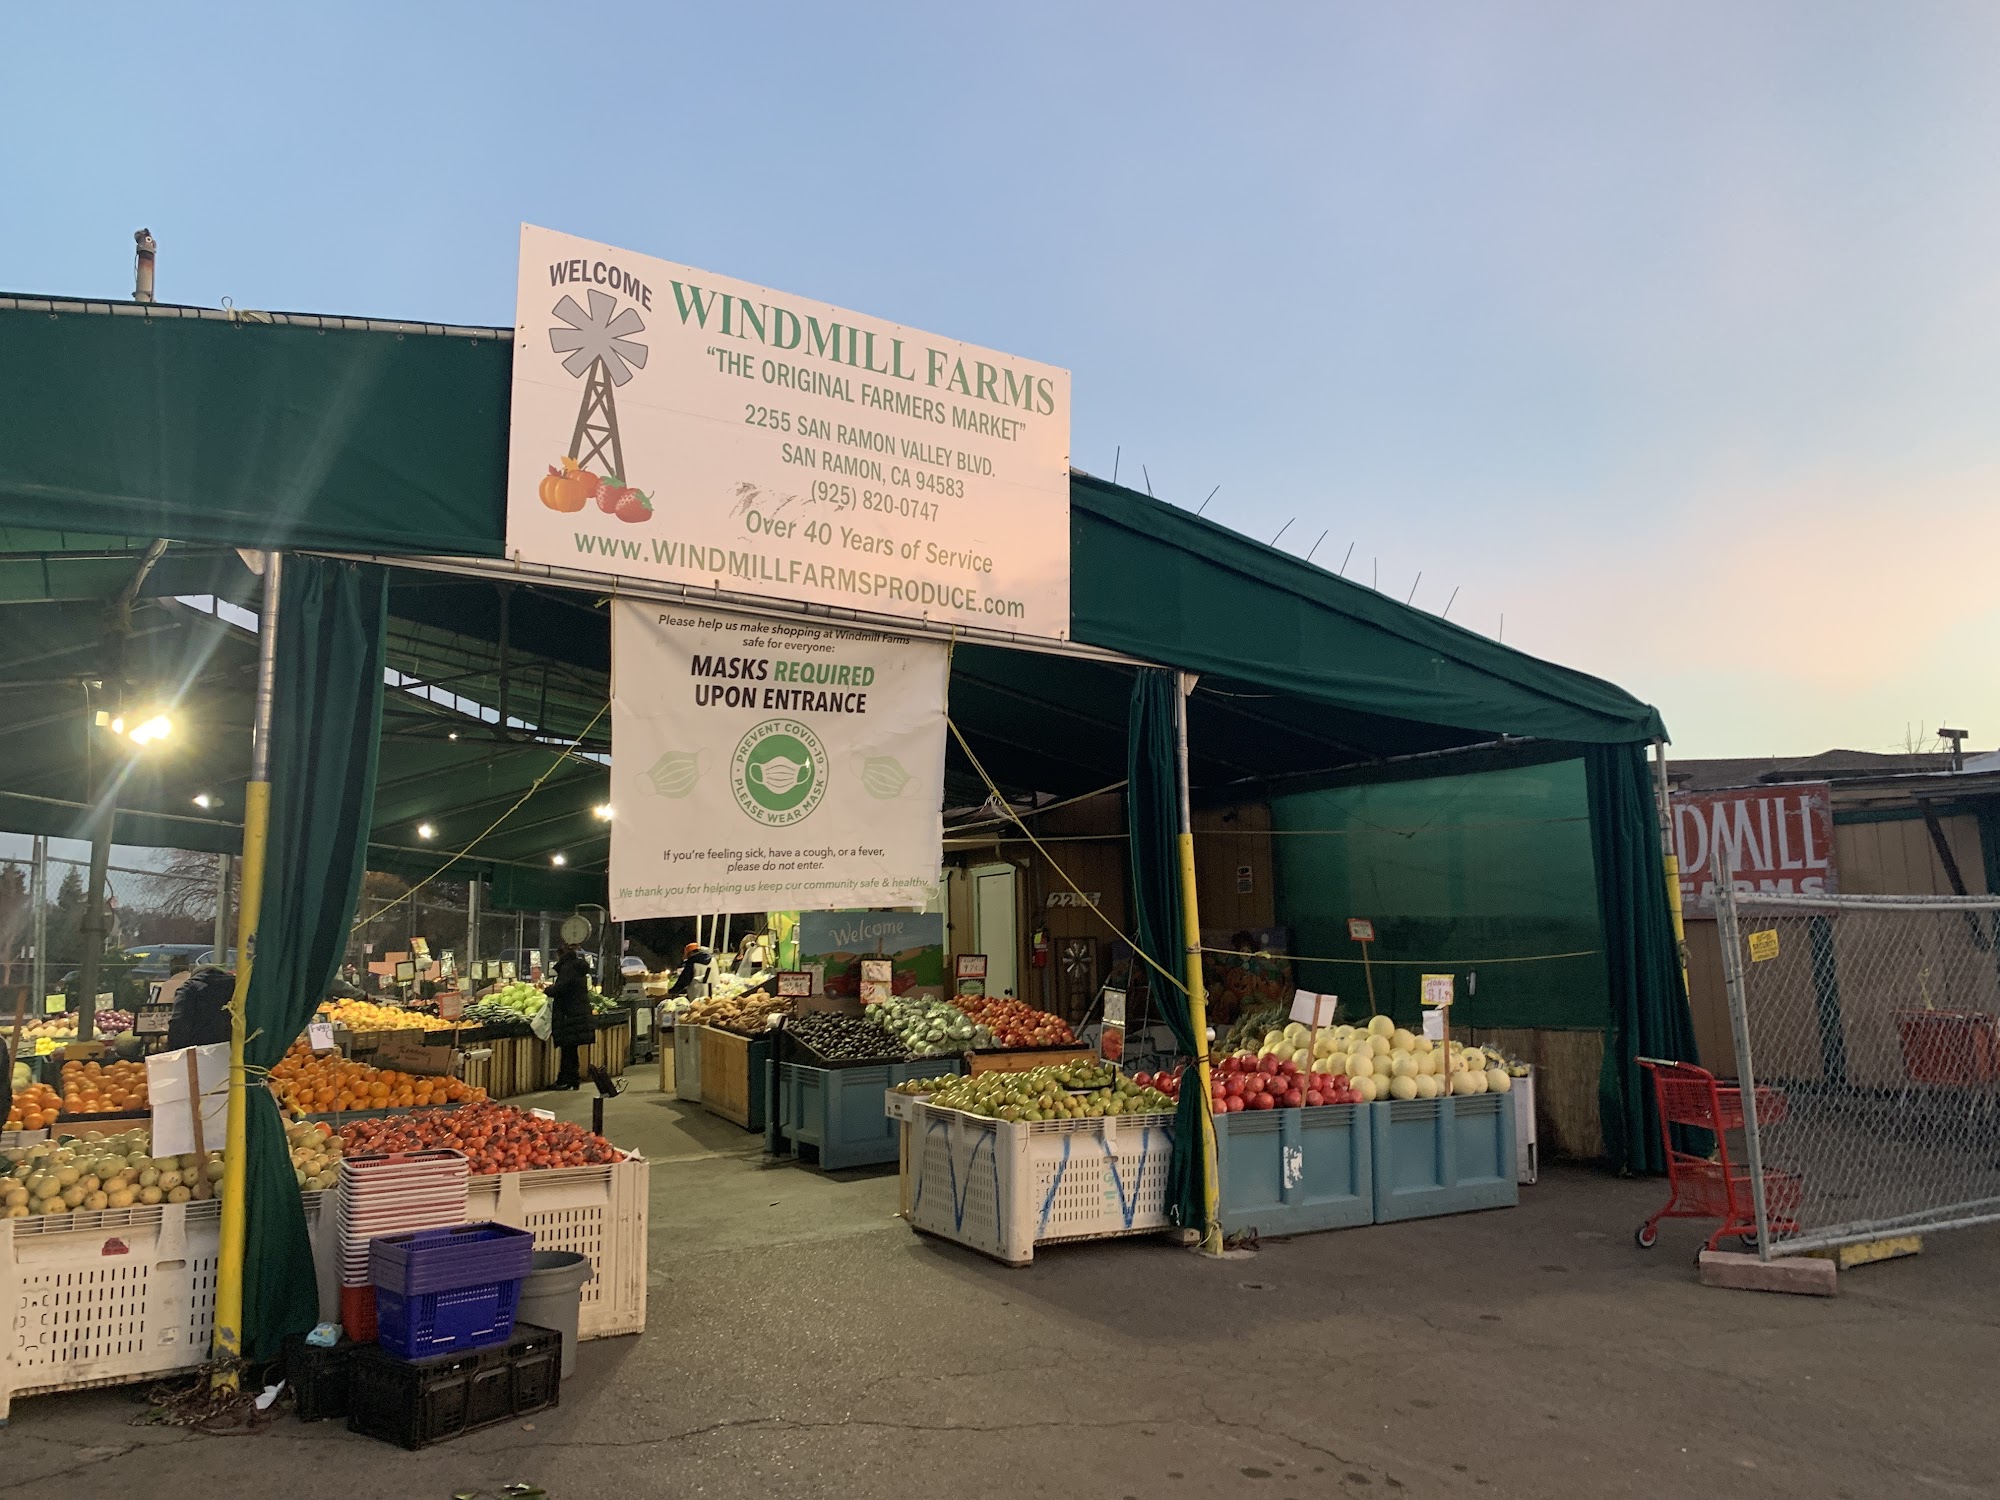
{"x": 1022, "y": 1061}
{"x": 517, "y": 1066}
{"x": 610, "y": 1048}
{"x": 733, "y": 1082}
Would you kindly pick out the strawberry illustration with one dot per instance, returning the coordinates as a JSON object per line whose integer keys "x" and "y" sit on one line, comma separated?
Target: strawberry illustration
{"x": 609, "y": 493}
{"x": 633, "y": 506}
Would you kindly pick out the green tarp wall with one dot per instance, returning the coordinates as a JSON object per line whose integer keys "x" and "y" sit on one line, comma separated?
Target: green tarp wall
{"x": 1490, "y": 873}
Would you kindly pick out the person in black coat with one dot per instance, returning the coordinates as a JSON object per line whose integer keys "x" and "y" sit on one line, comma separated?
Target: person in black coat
{"x": 201, "y": 1010}
{"x": 571, "y": 1027}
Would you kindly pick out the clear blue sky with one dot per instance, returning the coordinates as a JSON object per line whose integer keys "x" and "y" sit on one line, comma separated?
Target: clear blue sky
{"x": 1672, "y": 332}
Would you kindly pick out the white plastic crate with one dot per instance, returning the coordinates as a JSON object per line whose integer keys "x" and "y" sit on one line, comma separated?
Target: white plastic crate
{"x": 103, "y": 1298}
{"x": 1003, "y": 1187}
{"x": 1527, "y": 1154}
{"x": 600, "y": 1212}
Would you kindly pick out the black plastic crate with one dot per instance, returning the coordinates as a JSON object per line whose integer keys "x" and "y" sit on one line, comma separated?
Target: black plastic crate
{"x": 414, "y": 1403}
{"x": 318, "y": 1377}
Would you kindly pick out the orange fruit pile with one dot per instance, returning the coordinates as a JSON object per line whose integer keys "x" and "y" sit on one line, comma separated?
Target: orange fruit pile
{"x": 34, "y": 1108}
{"x": 311, "y": 1085}
{"x": 91, "y": 1088}
{"x": 366, "y": 1015}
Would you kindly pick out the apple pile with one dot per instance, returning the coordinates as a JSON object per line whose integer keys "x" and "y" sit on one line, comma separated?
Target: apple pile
{"x": 1168, "y": 1083}
{"x": 1241, "y": 1082}
{"x": 1015, "y": 1023}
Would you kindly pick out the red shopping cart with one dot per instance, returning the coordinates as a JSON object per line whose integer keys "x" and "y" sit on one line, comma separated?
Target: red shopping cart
{"x": 1714, "y": 1187}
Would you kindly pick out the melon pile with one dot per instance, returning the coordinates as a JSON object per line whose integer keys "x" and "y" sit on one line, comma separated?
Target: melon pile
{"x": 1381, "y": 1060}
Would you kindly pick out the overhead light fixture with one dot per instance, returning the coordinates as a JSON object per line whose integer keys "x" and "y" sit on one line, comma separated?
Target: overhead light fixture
{"x": 140, "y": 731}
{"x": 558, "y": 859}
{"x": 602, "y": 812}
{"x": 204, "y": 801}
{"x": 426, "y": 831}
{"x": 452, "y": 735}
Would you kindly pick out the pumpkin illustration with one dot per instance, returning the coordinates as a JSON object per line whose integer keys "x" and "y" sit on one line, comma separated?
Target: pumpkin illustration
{"x": 567, "y": 488}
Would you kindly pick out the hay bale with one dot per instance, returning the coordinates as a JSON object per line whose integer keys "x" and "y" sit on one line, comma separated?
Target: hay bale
{"x": 1567, "y": 1064}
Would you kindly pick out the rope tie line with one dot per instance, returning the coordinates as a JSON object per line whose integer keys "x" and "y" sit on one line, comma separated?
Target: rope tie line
{"x": 555, "y": 765}
{"x": 1040, "y": 848}
{"x": 1417, "y": 963}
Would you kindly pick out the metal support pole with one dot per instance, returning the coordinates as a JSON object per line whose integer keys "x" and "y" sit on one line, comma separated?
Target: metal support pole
{"x": 471, "y": 923}
{"x": 1663, "y": 795}
{"x": 256, "y": 838}
{"x": 222, "y": 863}
{"x": 40, "y": 897}
{"x": 1197, "y": 999}
{"x": 1731, "y": 944}
{"x": 92, "y": 926}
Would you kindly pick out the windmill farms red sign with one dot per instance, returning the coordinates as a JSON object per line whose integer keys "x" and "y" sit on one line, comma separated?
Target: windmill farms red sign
{"x": 1777, "y": 840}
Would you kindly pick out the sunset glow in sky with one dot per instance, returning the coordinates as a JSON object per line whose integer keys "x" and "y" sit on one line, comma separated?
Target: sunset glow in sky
{"x": 1669, "y": 332}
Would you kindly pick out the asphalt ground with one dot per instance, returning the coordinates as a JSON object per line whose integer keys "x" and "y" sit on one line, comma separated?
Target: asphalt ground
{"x": 802, "y": 1341}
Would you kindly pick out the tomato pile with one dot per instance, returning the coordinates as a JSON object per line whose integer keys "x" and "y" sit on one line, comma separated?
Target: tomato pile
{"x": 494, "y": 1138}
{"x": 1015, "y": 1023}
{"x": 1242, "y": 1082}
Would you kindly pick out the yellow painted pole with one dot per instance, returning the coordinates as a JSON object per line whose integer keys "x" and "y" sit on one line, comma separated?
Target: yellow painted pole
{"x": 1197, "y": 997}
{"x": 1664, "y": 797}
{"x": 228, "y": 1343}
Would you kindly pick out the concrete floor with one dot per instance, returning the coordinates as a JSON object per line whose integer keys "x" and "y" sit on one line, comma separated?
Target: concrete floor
{"x": 804, "y": 1342}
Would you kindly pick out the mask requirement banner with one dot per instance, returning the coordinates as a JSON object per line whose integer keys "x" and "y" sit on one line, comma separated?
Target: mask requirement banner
{"x": 771, "y": 765}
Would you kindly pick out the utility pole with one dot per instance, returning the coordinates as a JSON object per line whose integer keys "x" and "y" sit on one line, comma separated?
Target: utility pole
{"x": 39, "y": 898}
{"x": 222, "y": 910}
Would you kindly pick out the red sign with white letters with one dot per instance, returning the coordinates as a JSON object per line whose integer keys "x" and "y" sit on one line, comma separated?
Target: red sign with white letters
{"x": 1778, "y": 840}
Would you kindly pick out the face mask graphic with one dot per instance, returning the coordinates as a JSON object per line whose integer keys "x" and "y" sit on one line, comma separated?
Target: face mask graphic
{"x": 675, "y": 773}
{"x": 778, "y": 775}
{"x": 883, "y": 776}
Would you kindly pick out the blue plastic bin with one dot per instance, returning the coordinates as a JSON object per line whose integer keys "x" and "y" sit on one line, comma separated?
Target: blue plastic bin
{"x": 1443, "y": 1156}
{"x": 836, "y": 1113}
{"x": 1294, "y": 1171}
{"x": 438, "y": 1291}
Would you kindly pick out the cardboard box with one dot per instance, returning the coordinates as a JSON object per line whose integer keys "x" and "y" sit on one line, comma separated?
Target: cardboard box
{"x": 409, "y": 1053}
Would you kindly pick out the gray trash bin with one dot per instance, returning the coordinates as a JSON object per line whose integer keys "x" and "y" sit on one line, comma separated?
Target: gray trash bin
{"x": 551, "y": 1296}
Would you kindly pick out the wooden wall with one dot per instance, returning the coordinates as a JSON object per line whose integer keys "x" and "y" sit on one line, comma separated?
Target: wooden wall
{"x": 1232, "y": 848}
{"x": 1087, "y": 841}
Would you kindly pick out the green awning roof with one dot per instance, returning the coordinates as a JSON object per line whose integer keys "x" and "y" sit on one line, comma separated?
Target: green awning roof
{"x": 127, "y": 424}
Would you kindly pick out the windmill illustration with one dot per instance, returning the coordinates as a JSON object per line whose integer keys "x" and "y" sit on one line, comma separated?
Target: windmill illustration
{"x": 600, "y": 349}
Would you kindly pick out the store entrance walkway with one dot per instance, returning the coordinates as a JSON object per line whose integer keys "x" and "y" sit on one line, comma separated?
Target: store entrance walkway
{"x": 802, "y": 1343}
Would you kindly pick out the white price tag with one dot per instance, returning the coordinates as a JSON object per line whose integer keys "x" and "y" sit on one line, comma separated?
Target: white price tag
{"x": 319, "y": 1036}
{"x": 1434, "y": 1025}
{"x": 1309, "y": 1009}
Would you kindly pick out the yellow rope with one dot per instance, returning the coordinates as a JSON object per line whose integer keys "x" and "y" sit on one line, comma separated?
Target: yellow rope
{"x": 554, "y": 766}
{"x": 1416, "y": 963}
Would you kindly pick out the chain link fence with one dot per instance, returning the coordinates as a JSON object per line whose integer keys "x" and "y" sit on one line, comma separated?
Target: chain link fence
{"x": 1875, "y": 1020}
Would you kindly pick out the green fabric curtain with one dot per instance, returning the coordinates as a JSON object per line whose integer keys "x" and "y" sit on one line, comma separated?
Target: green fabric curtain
{"x": 326, "y": 721}
{"x": 1152, "y": 815}
{"x": 1649, "y": 1008}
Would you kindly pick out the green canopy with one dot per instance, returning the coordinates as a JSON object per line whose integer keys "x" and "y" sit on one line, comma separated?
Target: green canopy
{"x": 303, "y": 433}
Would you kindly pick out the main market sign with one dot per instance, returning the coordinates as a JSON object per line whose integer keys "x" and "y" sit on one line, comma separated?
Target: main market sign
{"x": 673, "y": 425}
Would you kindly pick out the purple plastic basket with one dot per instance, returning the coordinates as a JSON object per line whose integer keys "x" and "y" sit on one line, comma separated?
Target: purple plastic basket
{"x": 446, "y": 1260}
{"x": 430, "y": 1323}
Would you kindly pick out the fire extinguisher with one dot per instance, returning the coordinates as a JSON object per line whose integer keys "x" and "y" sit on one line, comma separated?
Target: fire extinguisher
{"x": 1038, "y": 948}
